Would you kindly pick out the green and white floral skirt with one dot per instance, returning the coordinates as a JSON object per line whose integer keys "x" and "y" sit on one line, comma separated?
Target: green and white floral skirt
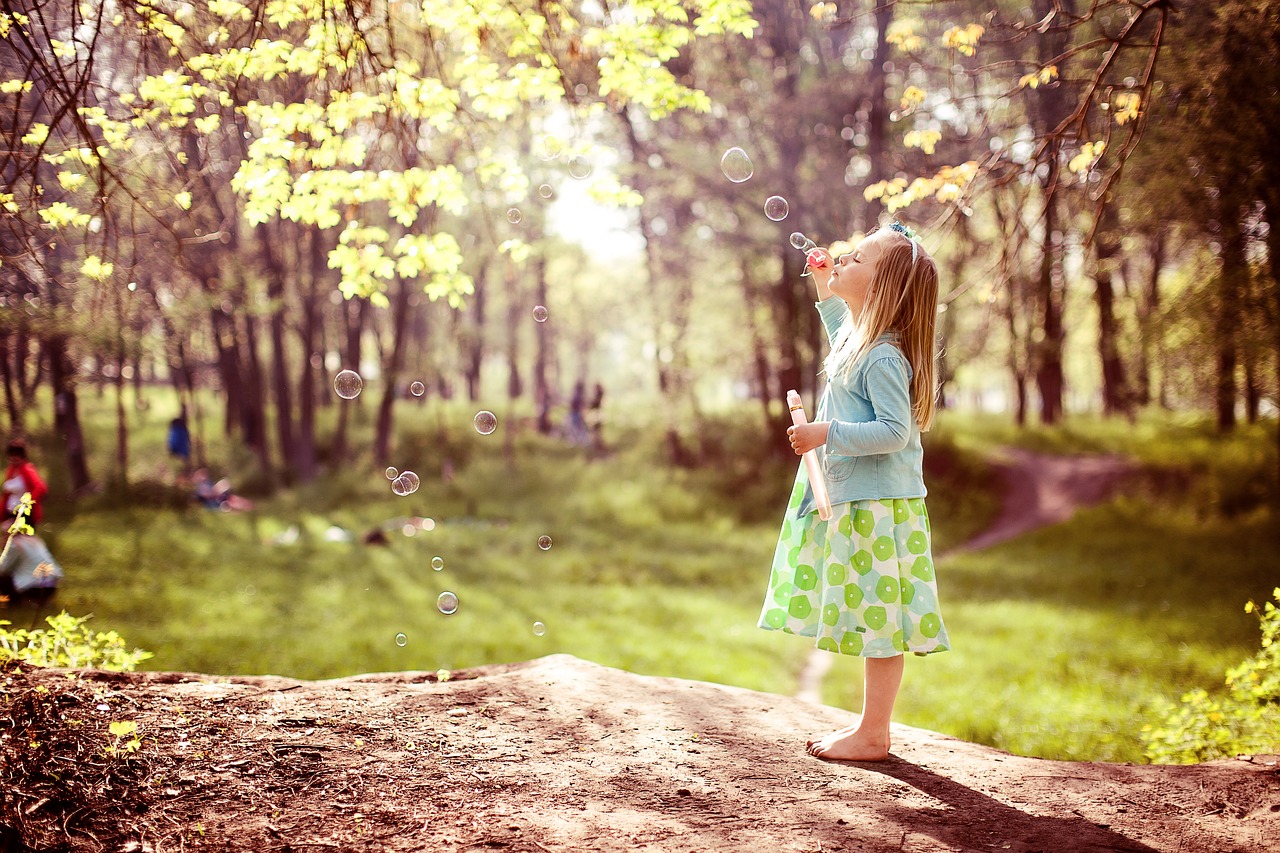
{"x": 861, "y": 583}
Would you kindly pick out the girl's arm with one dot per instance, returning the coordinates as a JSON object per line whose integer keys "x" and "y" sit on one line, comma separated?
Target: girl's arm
{"x": 889, "y": 390}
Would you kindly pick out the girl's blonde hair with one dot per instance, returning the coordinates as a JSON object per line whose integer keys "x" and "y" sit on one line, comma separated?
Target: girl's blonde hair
{"x": 903, "y": 299}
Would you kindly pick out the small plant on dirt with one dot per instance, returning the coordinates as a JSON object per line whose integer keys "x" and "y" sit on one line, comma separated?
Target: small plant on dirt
{"x": 126, "y": 737}
{"x": 68, "y": 642}
{"x": 1203, "y": 727}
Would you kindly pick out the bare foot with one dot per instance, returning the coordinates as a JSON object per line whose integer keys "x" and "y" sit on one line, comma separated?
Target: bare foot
{"x": 846, "y": 745}
{"x": 809, "y": 744}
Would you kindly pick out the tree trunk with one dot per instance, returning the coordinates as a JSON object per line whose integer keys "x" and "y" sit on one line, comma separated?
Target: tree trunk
{"x": 353, "y": 317}
{"x": 1115, "y": 395}
{"x": 10, "y": 401}
{"x": 765, "y": 390}
{"x": 122, "y": 423}
{"x": 304, "y": 455}
{"x": 515, "y": 313}
{"x": 877, "y": 106}
{"x": 1272, "y": 203}
{"x": 1151, "y": 329}
{"x": 475, "y": 349}
{"x": 542, "y": 344}
{"x": 1050, "y": 109}
{"x": 1049, "y": 375}
{"x": 391, "y": 370}
{"x": 254, "y": 410}
{"x": 66, "y": 410}
{"x": 281, "y": 390}
{"x": 1233, "y": 276}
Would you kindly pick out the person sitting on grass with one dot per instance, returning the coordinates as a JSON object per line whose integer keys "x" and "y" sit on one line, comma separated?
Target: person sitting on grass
{"x": 28, "y": 572}
{"x": 218, "y": 495}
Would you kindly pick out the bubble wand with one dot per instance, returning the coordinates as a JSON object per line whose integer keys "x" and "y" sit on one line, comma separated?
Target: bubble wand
{"x": 816, "y": 481}
{"x": 813, "y": 255}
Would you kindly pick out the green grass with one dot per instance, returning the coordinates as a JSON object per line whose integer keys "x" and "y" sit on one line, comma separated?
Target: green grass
{"x": 1062, "y": 638}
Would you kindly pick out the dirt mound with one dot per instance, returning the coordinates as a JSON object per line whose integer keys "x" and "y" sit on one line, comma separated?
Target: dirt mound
{"x": 553, "y": 754}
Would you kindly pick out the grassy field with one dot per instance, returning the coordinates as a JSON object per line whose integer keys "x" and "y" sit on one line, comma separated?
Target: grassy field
{"x": 1062, "y": 638}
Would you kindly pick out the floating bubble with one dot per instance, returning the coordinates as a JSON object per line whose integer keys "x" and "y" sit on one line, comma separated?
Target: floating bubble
{"x": 400, "y": 486}
{"x": 409, "y": 530}
{"x": 437, "y": 563}
{"x": 545, "y": 191}
{"x": 579, "y": 167}
{"x": 540, "y": 313}
{"x": 411, "y": 481}
{"x": 514, "y": 216}
{"x": 417, "y": 389}
{"x": 392, "y": 473}
{"x": 401, "y": 640}
{"x": 539, "y": 629}
{"x": 347, "y": 384}
{"x": 485, "y": 422}
{"x": 776, "y": 208}
{"x": 550, "y": 147}
{"x": 427, "y": 523}
{"x": 544, "y": 542}
{"x": 447, "y": 603}
{"x": 801, "y": 242}
{"x": 736, "y": 165}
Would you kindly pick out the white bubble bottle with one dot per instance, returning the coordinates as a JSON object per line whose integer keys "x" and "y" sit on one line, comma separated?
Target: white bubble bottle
{"x": 816, "y": 480}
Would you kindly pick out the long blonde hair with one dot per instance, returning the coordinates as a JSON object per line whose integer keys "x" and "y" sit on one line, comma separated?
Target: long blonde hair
{"x": 903, "y": 299}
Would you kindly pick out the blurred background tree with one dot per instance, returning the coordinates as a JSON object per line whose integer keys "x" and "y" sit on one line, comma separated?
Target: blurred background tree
{"x": 250, "y": 196}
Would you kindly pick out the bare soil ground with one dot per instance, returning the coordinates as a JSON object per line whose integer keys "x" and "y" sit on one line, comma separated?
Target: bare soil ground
{"x": 559, "y": 754}
{"x": 554, "y": 754}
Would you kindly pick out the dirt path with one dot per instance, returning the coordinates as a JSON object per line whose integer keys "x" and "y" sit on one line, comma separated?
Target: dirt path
{"x": 1039, "y": 490}
{"x": 555, "y": 754}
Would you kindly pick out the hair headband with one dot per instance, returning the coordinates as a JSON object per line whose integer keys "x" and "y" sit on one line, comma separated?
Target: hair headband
{"x": 905, "y": 231}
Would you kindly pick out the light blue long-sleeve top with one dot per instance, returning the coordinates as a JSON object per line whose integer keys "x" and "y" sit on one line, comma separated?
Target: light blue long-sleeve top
{"x": 873, "y": 447}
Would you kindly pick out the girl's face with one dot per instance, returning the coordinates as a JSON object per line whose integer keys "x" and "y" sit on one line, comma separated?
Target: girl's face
{"x": 851, "y": 279}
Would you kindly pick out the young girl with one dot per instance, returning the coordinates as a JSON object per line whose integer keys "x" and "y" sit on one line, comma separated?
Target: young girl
{"x": 862, "y": 583}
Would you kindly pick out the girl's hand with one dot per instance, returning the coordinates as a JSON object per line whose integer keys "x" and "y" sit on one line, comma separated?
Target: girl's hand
{"x": 821, "y": 264}
{"x": 808, "y": 436}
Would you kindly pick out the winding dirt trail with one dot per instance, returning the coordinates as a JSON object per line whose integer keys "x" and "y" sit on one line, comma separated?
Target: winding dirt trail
{"x": 1040, "y": 489}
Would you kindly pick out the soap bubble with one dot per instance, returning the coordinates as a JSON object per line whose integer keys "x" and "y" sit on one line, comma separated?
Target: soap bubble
{"x": 417, "y": 389}
{"x": 544, "y": 542}
{"x": 539, "y": 629}
{"x": 401, "y": 640}
{"x": 736, "y": 165}
{"x": 776, "y": 208}
{"x": 392, "y": 473}
{"x": 485, "y": 422}
{"x": 447, "y": 603}
{"x": 514, "y": 215}
{"x": 801, "y": 242}
{"x": 411, "y": 481}
{"x": 427, "y": 523}
{"x": 545, "y": 191}
{"x": 347, "y": 384}
{"x": 579, "y": 167}
{"x": 400, "y": 486}
{"x": 540, "y": 313}
{"x": 437, "y": 563}
{"x": 550, "y": 147}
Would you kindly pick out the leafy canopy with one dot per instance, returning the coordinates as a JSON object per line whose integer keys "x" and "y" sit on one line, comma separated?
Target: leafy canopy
{"x": 342, "y": 116}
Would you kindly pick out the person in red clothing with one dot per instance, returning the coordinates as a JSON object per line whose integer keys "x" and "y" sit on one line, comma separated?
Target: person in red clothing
{"x": 21, "y": 478}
